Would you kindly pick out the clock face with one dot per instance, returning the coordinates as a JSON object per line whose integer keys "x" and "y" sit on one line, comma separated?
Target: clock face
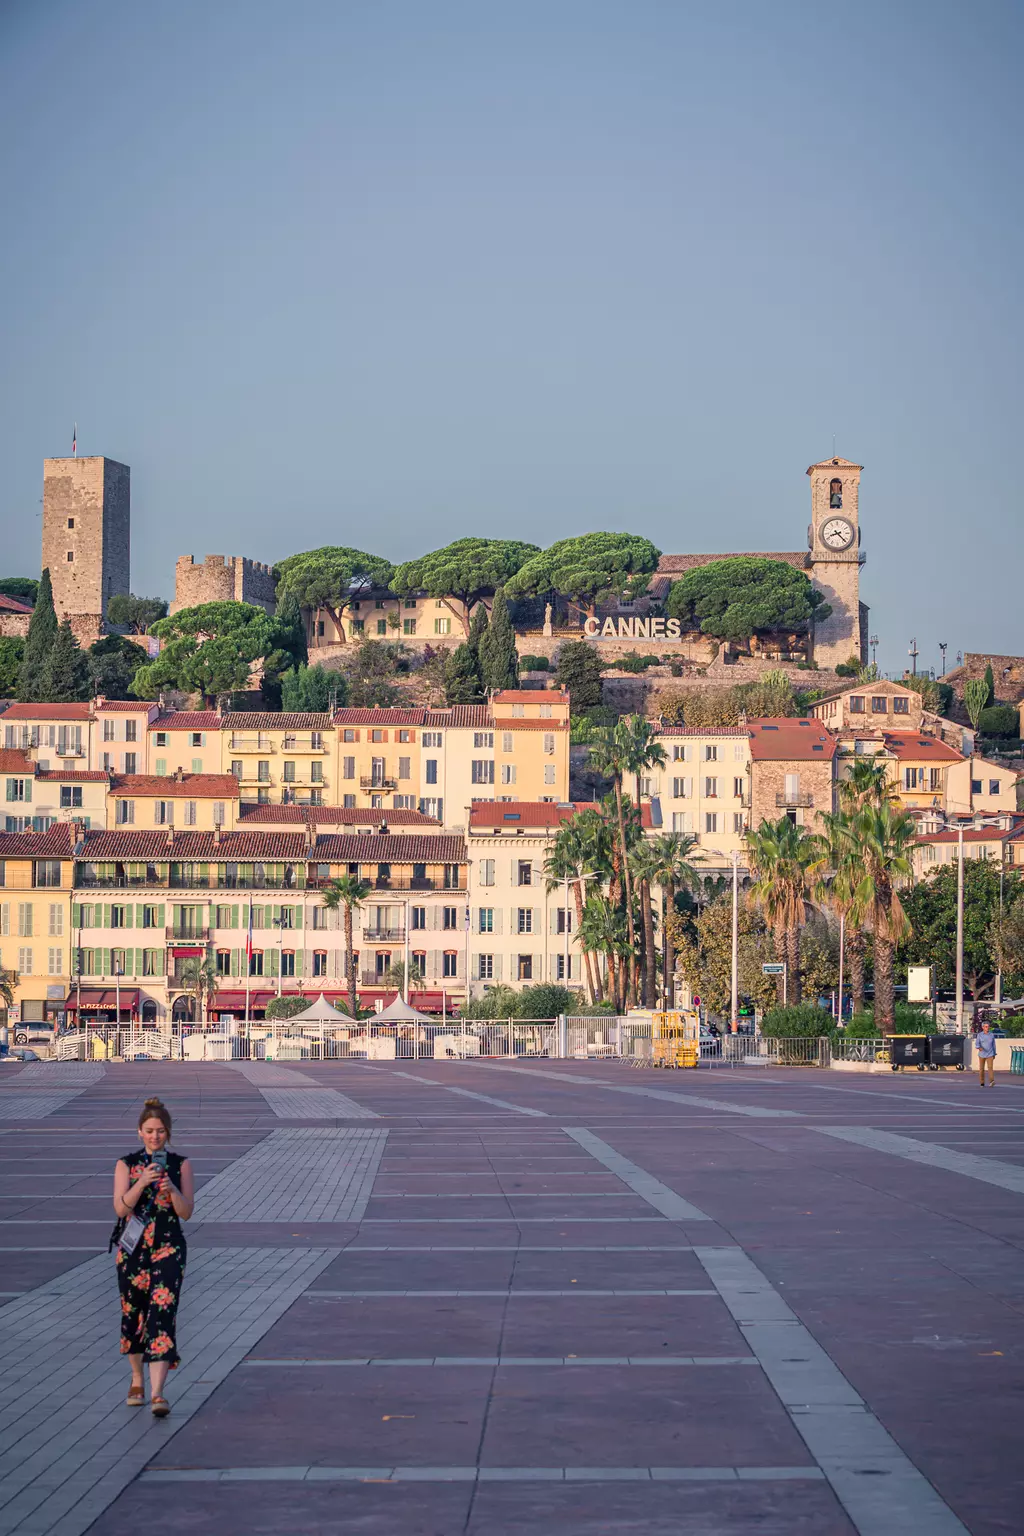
{"x": 837, "y": 533}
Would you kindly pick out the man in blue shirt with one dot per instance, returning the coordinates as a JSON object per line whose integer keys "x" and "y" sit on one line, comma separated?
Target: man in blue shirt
{"x": 985, "y": 1045}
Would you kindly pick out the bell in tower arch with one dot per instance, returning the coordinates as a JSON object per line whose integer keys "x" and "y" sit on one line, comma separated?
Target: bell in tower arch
{"x": 835, "y": 494}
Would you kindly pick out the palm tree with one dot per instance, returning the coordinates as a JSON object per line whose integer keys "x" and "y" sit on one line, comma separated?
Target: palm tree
{"x": 780, "y": 856}
{"x": 834, "y": 871}
{"x": 644, "y": 871}
{"x": 884, "y": 835}
{"x": 611, "y": 758}
{"x": 567, "y": 861}
{"x": 868, "y": 784}
{"x": 603, "y": 931}
{"x": 672, "y": 854}
{"x": 349, "y": 892}
{"x": 199, "y": 981}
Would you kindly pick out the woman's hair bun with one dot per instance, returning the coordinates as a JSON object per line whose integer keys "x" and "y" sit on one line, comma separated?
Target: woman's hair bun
{"x": 154, "y": 1104}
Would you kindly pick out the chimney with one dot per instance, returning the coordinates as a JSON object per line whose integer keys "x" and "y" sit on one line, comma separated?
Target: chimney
{"x": 170, "y": 837}
{"x": 384, "y": 829}
{"x": 179, "y": 775}
{"x": 309, "y": 828}
{"x": 77, "y": 833}
{"x": 216, "y": 835}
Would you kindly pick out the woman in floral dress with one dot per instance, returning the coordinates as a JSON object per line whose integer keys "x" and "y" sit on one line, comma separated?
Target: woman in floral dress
{"x": 149, "y": 1278}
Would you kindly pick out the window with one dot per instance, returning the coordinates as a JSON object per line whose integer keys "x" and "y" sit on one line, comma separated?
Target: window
{"x": 19, "y": 789}
{"x": 46, "y": 873}
{"x": 70, "y": 796}
{"x": 408, "y": 626}
{"x": 524, "y": 969}
{"x": 545, "y": 711}
{"x": 410, "y": 602}
{"x": 25, "y": 919}
{"x": 508, "y": 773}
{"x": 236, "y": 768}
{"x": 451, "y": 918}
{"x": 378, "y": 736}
{"x": 935, "y": 778}
{"x": 738, "y": 751}
{"x": 856, "y": 705}
{"x": 524, "y": 872}
{"x": 430, "y": 770}
{"x": 162, "y": 739}
{"x": 404, "y": 802}
{"x": 71, "y": 556}
{"x": 879, "y": 704}
{"x": 320, "y": 628}
{"x": 711, "y": 821}
{"x": 561, "y": 974}
{"x": 993, "y": 786}
{"x": 901, "y": 706}
{"x": 450, "y": 963}
{"x": 482, "y": 771}
{"x": 738, "y": 821}
{"x": 71, "y": 522}
{"x": 485, "y": 920}
{"x": 549, "y": 773}
{"x": 256, "y": 963}
{"x": 382, "y": 626}
{"x": 682, "y": 754}
{"x": 442, "y": 626}
{"x": 711, "y": 789}
{"x": 682, "y": 821}
{"x": 835, "y": 494}
{"x": 910, "y": 778}
{"x": 486, "y": 868}
{"x": 485, "y": 967}
{"x": 348, "y": 768}
{"x": 417, "y": 919}
{"x": 108, "y": 730}
{"x": 316, "y": 773}
{"x": 507, "y": 741}
{"x": 218, "y": 813}
{"x": 405, "y": 767}
{"x": 54, "y": 962}
{"x": 151, "y": 962}
{"x": 524, "y": 920}
{"x": 25, "y": 962}
{"x": 711, "y": 754}
{"x": 319, "y": 962}
{"x": 287, "y": 962}
{"x": 263, "y": 771}
{"x": 56, "y": 920}
{"x": 682, "y": 789}
{"x": 418, "y": 964}
{"x": 289, "y": 773}
{"x": 348, "y": 802}
{"x": 432, "y": 738}
{"x": 357, "y": 625}
{"x": 119, "y": 917}
{"x": 483, "y": 738}
{"x": 928, "y": 853}
{"x": 191, "y": 813}
{"x": 163, "y": 812}
{"x": 518, "y": 711}
{"x": 563, "y": 920}
{"x": 738, "y": 786}
{"x": 975, "y": 786}
{"x": 131, "y": 762}
{"x": 379, "y": 603}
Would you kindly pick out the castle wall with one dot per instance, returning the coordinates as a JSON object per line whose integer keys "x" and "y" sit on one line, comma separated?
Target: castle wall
{"x": 86, "y": 533}
{"x": 222, "y": 579}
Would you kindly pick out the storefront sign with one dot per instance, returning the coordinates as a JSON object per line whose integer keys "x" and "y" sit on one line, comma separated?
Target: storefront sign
{"x": 632, "y": 629}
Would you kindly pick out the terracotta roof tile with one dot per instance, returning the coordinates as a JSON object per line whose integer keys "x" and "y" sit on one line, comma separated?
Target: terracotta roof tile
{"x": 333, "y": 815}
{"x": 399, "y": 848}
{"x": 48, "y": 712}
{"x": 12, "y": 761}
{"x": 474, "y": 716}
{"x": 380, "y": 716}
{"x": 287, "y": 846}
{"x": 168, "y": 786}
{"x": 73, "y": 775}
{"x": 787, "y": 739}
{"x": 254, "y": 720}
{"x": 914, "y": 746}
{"x": 703, "y": 730}
{"x": 188, "y": 720}
{"x": 124, "y": 706}
{"x": 530, "y": 696}
{"x": 13, "y": 604}
{"x": 38, "y": 845}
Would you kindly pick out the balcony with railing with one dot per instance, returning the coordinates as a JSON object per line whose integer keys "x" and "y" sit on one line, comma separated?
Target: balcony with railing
{"x": 251, "y": 742}
{"x": 190, "y": 883}
{"x": 197, "y": 934}
{"x": 376, "y": 935}
{"x": 378, "y": 781}
{"x": 787, "y": 800}
{"x": 311, "y": 743}
{"x": 69, "y": 749}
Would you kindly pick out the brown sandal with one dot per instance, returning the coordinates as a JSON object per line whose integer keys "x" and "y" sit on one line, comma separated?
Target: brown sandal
{"x": 136, "y": 1397}
{"x": 161, "y": 1407}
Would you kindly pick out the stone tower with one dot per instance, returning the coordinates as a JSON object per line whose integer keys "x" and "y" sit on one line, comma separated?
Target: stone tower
{"x": 86, "y": 536}
{"x": 834, "y": 541}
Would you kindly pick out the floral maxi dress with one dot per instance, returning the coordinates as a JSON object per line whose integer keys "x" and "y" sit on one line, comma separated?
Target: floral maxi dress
{"x": 149, "y": 1279}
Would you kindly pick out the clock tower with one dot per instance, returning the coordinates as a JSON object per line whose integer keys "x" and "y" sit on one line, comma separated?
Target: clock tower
{"x": 835, "y": 561}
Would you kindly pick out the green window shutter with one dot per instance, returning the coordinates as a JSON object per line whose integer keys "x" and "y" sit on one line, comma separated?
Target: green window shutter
{"x": 276, "y": 911}
{"x": 128, "y": 914}
{"x": 76, "y": 915}
{"x": 297, "y": 918}
{"x": 108, "y": 963}
{"x": 273, "y": 958}
{"x": 268, "y": 918}
{"x": 139, "y": 968}
{"x": 236, "y": 962}
{"x": 161, "y": 920}
{"x": 234, "y": 917}
{"x": 161, "y": 962}
{"x": 139, "y": 915}
{"x": 28, "y": 789}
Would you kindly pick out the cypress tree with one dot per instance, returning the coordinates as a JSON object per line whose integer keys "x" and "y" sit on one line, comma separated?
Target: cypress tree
{"x": 991, "y": 683}
{"x": 499, "y": 659}
{"x": 462, "y": 676}
{"x": 42, "y": 632}
{"x": 66, "y": 677}
{"x": 477, "y": 629}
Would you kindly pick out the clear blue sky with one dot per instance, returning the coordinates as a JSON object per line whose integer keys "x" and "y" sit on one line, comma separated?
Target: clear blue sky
{"x": 391, "y": 272}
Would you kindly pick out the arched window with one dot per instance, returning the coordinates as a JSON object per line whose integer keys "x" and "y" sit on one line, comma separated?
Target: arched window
{"x": 835, "y": 493}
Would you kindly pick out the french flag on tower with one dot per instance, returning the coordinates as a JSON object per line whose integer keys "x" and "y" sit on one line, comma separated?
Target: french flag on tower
{"x": 74, "y": 442}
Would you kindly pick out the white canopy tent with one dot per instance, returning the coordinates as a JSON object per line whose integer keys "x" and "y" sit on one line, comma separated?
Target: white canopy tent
{"x": 401, "y": 1012}
{"x": 320, "y": 1012}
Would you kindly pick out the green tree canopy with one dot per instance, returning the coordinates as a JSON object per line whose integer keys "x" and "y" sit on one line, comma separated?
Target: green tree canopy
{"x": 65, "y": 677}
{"x": 462, "y": 683}
{"x": 24, "y": 588}
{"x": 113, "y": 663}
{"x": 579, "y": 673}
{"x": 467, "y": 570}
{"x": 136, "y": 613}
{"x": 211, "y": 649}
{"x": 931, "y": 907}
{"x": 999, "y": 720}
{"x": 331, "y": 577}
{"x": 308, "y": 690}
{"x": 12, "y": 651}
{"x": 749, "y": 595}
{"x": 42, "y": 633}
{"x": 286, "y": 1007}
{"x": 586, "y": 567}
{"x": 499, "y": 659}
{"x": 372, "y": 673}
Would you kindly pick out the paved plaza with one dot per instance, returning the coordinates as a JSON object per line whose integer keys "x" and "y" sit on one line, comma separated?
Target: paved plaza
{"x": 555, "y": 1298}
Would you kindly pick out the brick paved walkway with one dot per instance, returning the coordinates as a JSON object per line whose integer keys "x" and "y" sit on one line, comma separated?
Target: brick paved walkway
{"x": 536, "y": 1298}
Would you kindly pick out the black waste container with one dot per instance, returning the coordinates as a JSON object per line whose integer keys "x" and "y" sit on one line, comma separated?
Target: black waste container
{"x": 946, "y": 1051}
{"x": 907, "y": 1051}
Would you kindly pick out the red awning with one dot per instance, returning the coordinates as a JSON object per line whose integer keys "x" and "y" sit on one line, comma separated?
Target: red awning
{"x": 104, "y": 997}
{"x": 183, "y": 953}
{"x": 233, "y": 1002}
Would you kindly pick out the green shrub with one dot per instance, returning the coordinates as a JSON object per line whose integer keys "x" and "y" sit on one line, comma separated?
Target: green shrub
{"x": 805, "y": 1020}
{"x": 286, "y": 1007}
{"x": 634, "y": 662}
{"x": 533, "y": 664}
{"x": 911, "y": 1020}
{"x": 547, "y": 1000}
{"x": 1014, "y": 1028}
{"x": 999, "y": 720}
{"x": 861, "y": 1027}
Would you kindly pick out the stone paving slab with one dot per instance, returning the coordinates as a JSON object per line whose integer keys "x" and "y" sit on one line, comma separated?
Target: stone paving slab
{"x": 297, "y": 1175}
{"x": 314, "y": 1104}
{"x": 35, "y": 1103}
